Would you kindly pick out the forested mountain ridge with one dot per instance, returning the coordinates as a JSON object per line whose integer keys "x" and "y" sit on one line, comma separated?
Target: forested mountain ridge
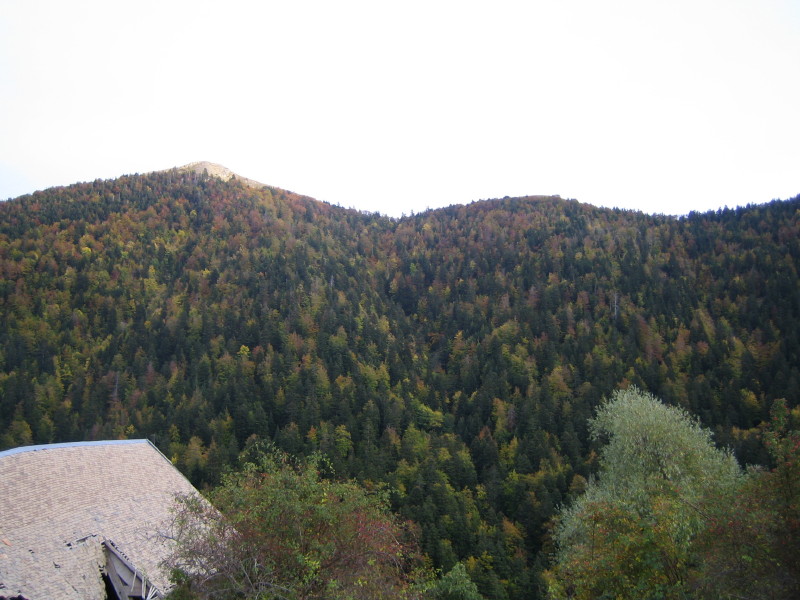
{"x": 456, "y": 354}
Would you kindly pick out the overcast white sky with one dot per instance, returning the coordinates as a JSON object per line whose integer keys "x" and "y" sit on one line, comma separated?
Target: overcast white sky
{"x": 663, "y": 106}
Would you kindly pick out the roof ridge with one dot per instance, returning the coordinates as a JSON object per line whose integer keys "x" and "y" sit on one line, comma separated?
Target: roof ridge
{"x": 38, "y": 447}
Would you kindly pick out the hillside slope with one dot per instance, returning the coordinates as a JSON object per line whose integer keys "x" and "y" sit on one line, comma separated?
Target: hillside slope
{"x": 455, "y": 354}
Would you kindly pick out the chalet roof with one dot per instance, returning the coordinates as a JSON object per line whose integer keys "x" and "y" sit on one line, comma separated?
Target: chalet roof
{"x": 59, "y": 503}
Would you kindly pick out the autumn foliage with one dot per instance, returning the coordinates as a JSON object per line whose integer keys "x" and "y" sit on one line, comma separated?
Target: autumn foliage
{"x": 455, "y": 355}
{"x": 279, "y": 528}
{"x": 672, "y": 516}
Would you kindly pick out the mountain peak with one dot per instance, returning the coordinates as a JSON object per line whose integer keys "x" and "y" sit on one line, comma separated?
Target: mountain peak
{"x": 219, "y": 171}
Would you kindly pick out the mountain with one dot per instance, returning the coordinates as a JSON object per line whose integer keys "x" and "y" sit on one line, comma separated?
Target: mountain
{"x": 217, "y": 170}
{"x": 455, "y": 354}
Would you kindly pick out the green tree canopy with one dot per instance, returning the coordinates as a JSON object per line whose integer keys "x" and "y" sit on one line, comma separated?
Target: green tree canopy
{"x": 278, "y": 528}
{"x": 456, "y": 354}
{"x": 632, "y": 533}
{"x": 751, "y": 548}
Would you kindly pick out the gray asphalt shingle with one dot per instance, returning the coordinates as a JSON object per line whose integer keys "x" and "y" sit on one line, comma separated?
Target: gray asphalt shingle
{"x": 59, "y": 502}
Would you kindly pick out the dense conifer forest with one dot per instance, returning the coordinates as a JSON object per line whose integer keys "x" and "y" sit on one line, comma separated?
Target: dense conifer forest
{"x": 456, "y": 355}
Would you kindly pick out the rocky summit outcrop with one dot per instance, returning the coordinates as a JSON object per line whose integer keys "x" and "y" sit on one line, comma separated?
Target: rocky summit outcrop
{"x": 219, "y": 171}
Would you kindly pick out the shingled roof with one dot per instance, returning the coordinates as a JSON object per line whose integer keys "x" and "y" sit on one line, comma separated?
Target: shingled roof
{"x": 66, "y": 510}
